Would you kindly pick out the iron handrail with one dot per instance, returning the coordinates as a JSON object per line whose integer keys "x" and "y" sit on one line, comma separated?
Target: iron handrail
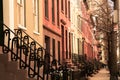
{"x": 6, "y": 48}
{"x": 36, "y": 42}
{"x": 32, "y": 54}
{"x": 30, "y": 37}
{"x": 22, "y": 61}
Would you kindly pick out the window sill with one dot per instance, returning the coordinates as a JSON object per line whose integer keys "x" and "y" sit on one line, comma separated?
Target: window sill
{"x": 47, "y": 18}
{"x": 22, "y": 27}
{"x": 35, "y": 32}
{"x": 53, "y": 23}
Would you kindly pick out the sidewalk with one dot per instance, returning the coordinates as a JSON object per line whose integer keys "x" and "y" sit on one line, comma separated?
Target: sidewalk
{"x": 103, "y": 74}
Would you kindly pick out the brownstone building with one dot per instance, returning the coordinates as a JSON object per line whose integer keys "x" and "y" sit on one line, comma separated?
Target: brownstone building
{"x": 56, "y": 20}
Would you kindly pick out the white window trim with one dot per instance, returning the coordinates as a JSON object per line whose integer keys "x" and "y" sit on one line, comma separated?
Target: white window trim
{"x": 35, "y": 32}
{"x": 22, "y": 27}
{"x": 18, "y": 1}
{"x": 21, "y": 21}
{"x": 35, "y": 10}
{"x": 36, "y": 15}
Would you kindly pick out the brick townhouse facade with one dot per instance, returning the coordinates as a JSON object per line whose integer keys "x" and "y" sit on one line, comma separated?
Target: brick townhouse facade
{"x": 56, "y": 20}
{"x": 48, "y": 23}
{"x": 90, "y": 50}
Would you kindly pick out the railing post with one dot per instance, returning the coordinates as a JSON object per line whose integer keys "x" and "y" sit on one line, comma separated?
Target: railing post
{"x": 32, "y": 60}
{"x": 6, "y": 41}
{"x": 14, "y": 48}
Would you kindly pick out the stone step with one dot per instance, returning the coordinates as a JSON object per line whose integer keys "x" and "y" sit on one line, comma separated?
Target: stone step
{"x": 4, "y": 58}
{"x": 9, "y": 69}
{"x": 7, "y": 76}
{"x": 21, "y": 74}
{"x": 2, "y": 69}
{"x": 31, "y": 79}
{"x": 12, "y": 66}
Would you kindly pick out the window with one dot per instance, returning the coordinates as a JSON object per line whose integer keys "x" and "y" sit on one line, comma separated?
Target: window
{"x": 46, "y": 9}
{"x": 78, "y": 4}
{"x": 58, "y": 17}
{"x": 53, "y": 48}
{"x": 62, "y": 5}
{"x": 21, "y": 13}
{"x": 79, "y": 22}
{"x": 70, "y": 45}
{"x": 36, "y": 15}
{"x": 66, "y": 8}
{"x": 59, "y": 51}
{"x": 66, "y": 44}
{"x": 78, "y": 42}
{"x": 69, "y": 9}
{"x": 53, "y": 12}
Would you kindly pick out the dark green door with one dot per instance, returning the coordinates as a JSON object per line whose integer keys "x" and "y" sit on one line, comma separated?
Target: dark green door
{"x": 1, "y": 21}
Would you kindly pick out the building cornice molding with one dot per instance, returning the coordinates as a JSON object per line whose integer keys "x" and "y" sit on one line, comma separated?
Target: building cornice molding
{"x": 51, "y": 30}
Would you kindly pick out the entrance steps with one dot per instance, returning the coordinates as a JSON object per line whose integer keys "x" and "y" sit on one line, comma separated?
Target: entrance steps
{"x": 9, "y": 69}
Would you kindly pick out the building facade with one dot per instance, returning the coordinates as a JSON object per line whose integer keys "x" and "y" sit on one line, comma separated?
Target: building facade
{"x": 25, "y": 15}
{"x": 75, "y": 30}
{"x": 56, "y": 25}
{"x": 87, "y": 33}
{"x": 56, "y": 21}
{"x": 17, "y": 14}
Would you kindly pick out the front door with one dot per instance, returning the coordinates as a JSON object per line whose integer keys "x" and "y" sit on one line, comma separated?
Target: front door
{"x": 62, "y": 32}
{"x": 47, "y": 58}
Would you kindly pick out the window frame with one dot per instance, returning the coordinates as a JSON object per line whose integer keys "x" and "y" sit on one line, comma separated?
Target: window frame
{"x": 53, "y": 48}
{"x": 21, "y": 14}
{"x": 36, "y": 16}
{"x": 62, "y": 5}
{"x": 46, "y": 9}
{"x": 53, "y": 11}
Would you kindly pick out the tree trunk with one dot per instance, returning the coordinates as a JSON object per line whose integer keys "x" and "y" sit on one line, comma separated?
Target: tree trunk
{"x": 112, "y": 57}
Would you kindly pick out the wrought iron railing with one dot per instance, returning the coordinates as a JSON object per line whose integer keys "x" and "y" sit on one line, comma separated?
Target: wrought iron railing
{"x": 25, "y": 50}
{"x": 30, "y": 55}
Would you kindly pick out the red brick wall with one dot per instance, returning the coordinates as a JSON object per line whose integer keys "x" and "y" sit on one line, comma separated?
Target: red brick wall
{"x": 53, "y": 30}
{"x": 87, "y": 34}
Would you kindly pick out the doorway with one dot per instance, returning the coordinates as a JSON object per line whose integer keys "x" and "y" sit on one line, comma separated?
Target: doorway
{"x": 47, "y": 44}
{"x": 62, "y": 32}
{"x": 47, "y": 58}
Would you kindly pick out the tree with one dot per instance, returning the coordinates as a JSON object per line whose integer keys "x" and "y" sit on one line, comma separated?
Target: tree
{"x": 101, "y": 14}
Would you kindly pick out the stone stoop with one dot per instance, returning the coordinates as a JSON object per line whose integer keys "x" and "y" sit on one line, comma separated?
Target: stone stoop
{"x": 9, "y": 69}
{"x": 4, "y": 59}
{"x": 7, "y": 76}
{"x": 30, "y": 79}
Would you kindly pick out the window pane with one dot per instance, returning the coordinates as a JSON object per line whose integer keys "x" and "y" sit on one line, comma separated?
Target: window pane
{"x": 21, "y": 12}
{"x": 59, "y": 51}
{"x": 53, "y": 12}
{"x": 46, "y": 8}
{"x": 62, "y": 7}
{"x": 53, "y": 48}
